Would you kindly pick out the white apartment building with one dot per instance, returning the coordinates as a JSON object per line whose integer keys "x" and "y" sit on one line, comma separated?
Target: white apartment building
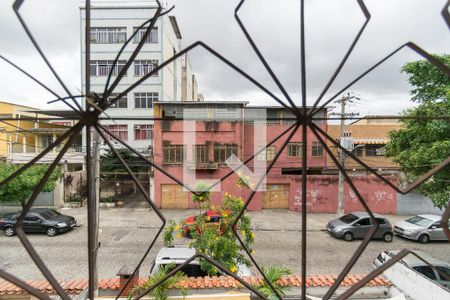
{"x": 111, "y": 25}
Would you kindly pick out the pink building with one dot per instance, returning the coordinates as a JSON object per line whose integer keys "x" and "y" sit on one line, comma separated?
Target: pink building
{"x": 223, "y": 128}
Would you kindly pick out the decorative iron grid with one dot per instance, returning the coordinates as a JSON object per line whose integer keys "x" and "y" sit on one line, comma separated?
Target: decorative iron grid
{"x": 96, "y": 105}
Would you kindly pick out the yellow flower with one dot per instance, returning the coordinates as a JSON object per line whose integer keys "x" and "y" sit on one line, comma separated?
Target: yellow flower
{"x": 253, "y": 252}
{"x": 208, "y": 218}
{"x": 233, "y": 269}
{"x": 177, "y": 227}
{"x": 252, "y": 234}
{"x": 224, "y": 214}
{"x": 243, "y": 232}
{"x": 179, "y": 235}
{"x": 226, "y": 194}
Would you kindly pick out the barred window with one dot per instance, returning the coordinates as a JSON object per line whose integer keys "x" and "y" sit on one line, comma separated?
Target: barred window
{"x": 151, "y": 38}
{"x": 223, "y": 151}
{"x": 103, "y": 67}
{"x": 200, "y": 153}
{"x": 295, "y": 149}
{"x": 108, "y": 35}
{"x": 375, "y": 150}
{"x": 145, "y": 99}
{"x": 119, "y": 131}
{"x": 317, "y": 149}
{"x": 173, "y": 154}
{"x": 143, "y": 67}
{"x": 143, "y": 132}
{"x": 266, "y": 154}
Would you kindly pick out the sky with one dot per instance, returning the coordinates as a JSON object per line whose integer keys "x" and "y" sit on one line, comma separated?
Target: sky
{"x": 274, "y": 26}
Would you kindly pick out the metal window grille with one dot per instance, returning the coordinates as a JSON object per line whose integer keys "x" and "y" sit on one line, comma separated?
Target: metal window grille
{"x": 121, "y": 102}
{"x": 103, "y": 67}
{"x": 145, "y": 99}
{"x": 223, "y": 151}
{"x": 118, "y": 131}
{"x": 152, "y": 38}
{"x": 295, "y": 149}
{"x": 173, "y": 154}
{"x": 144, "y": 67}
{"x": 200, "y": 153}
{"x": 375, "y": 150}
{"x": 108, "y": 35}
{"x": 143, "y": 132}
{"x": 317, "y": 149}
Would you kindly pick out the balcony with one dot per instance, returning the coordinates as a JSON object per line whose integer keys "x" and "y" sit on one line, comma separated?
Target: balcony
{"x": 74, "y": 155}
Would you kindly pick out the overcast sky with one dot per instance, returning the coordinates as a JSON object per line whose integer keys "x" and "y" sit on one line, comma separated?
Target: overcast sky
{"x": 274, "y": 25}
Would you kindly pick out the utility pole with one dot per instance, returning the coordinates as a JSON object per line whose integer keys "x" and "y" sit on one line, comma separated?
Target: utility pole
{"x": 344, "y": 141}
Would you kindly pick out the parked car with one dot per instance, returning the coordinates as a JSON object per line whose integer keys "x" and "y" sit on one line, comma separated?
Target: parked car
{"x": 42, "y": 220}
{"x": 422, "y": 228}
{"x": 419, "y": 265}
{"x": 356, "y": 225}
{"x": 177, "y": 255}
{"x": 211, "y": 217}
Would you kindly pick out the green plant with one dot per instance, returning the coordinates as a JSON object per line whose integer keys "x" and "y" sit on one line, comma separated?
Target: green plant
{"x": 273, "y": 275}
{"x": 21, "y": 187}
{"x": 217, "y": 240}
{"x": 160, "y": 292}
{"x": 203, "y": 198}
{"x": 107, "y": 199}
{"x": 424, "y": 141}
{"x": 74, "y": 198}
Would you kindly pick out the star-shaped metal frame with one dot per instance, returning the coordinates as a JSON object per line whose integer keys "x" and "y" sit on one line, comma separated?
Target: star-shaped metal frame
{"x": 96, "y": 105}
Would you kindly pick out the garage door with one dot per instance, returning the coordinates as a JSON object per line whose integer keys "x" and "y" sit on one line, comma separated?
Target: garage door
{"x": 173, "y": 197}
{"x": 276, "y": 196}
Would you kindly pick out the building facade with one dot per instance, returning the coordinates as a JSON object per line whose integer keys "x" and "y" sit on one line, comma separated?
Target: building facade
{"x": 195, "y": 141}
{"x": 111, "y": 26}
{"x": 24, "y": 137}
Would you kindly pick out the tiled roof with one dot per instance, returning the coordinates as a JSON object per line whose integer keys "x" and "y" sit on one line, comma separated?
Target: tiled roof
{"x": 76, "y": 286}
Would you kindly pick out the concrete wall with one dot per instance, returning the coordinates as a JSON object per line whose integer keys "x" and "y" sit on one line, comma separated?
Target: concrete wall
{"x": 415, "y": 203}
{"x": 415, "y": 285}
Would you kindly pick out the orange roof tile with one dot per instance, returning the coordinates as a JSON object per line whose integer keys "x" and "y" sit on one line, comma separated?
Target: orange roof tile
{"x": 76, "y": 286}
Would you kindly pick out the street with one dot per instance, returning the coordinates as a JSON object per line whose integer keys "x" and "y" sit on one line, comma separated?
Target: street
{"x": 66, "y": 254}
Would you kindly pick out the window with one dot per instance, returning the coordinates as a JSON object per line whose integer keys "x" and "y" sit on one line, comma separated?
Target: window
{"x": 223, "y": 152}
{"x": 122, "y": 102}
{"x": 173, "y": 154}
{"x": 295, "y": 149}
{"x": 364, "y": 222}
{"x": 46, "y": 140}
{"x": 108, "y": 35}
{"x": 103, "y": 67}
{"x": 375, "y": 150}
{"x": 151, "y": 38}
{"x": 30, "y": 218}
{"x": 266, "y": 154}
{"x": 358, "y": 151}
{"x": 426, "y": 270}
{"x": 317, "y": 149}
{"x": 143, "y": 67}
{"x": 119, "y": 131}
{"x": 145, "y": 99}
{"x": 381, "y": 221}
{"x": 436, "y": 224}
{"x": 444, "y": 270}
{"x": 200, "y": 153}
{"x": 143, "y": 132}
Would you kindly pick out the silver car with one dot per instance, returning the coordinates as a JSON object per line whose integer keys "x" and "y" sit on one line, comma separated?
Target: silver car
{"x": 356, "y": 225}
{"x": 422, "y": 228}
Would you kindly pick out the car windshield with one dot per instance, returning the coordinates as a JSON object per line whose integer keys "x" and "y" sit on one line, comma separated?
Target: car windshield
{"x": 348, "y": 218}
{"x": 419, "y": 221}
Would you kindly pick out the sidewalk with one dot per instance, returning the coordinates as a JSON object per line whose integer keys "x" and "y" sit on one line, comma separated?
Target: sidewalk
{"x": 265, "y": 220}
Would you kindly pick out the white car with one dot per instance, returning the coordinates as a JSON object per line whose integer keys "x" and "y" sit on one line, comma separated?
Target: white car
{"x": 177, "y": 255}
{"x": 422, "y": 228}
{"x": 419, "y": 265}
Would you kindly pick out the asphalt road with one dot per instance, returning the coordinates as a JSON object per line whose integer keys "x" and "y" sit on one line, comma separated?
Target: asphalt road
{"x": 66, "y": 254}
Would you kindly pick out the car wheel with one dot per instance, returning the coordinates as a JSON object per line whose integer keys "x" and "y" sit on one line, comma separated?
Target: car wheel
{"x": 51, "y": 231}
{"x": 9, "y": 231}
{"x": 387, "y": 237}
{"x": 348, "y": 236}
{"x": 424, "y": 239}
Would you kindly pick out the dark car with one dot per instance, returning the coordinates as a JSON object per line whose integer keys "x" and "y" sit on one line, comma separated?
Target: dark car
{"x": 211, "y": 218}
{"x": 37, "y": 220}
{"x": 357, "y": 224}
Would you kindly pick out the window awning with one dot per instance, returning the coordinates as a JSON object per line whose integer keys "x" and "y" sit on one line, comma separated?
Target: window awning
{"x": 370, "y": 141}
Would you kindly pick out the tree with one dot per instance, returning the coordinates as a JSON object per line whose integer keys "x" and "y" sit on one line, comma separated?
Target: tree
{"x": 423, "y": 143}
{"x": 21, "y": 188}
{"x": 110, "y": 164}
{"x": 273, "y": 275}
